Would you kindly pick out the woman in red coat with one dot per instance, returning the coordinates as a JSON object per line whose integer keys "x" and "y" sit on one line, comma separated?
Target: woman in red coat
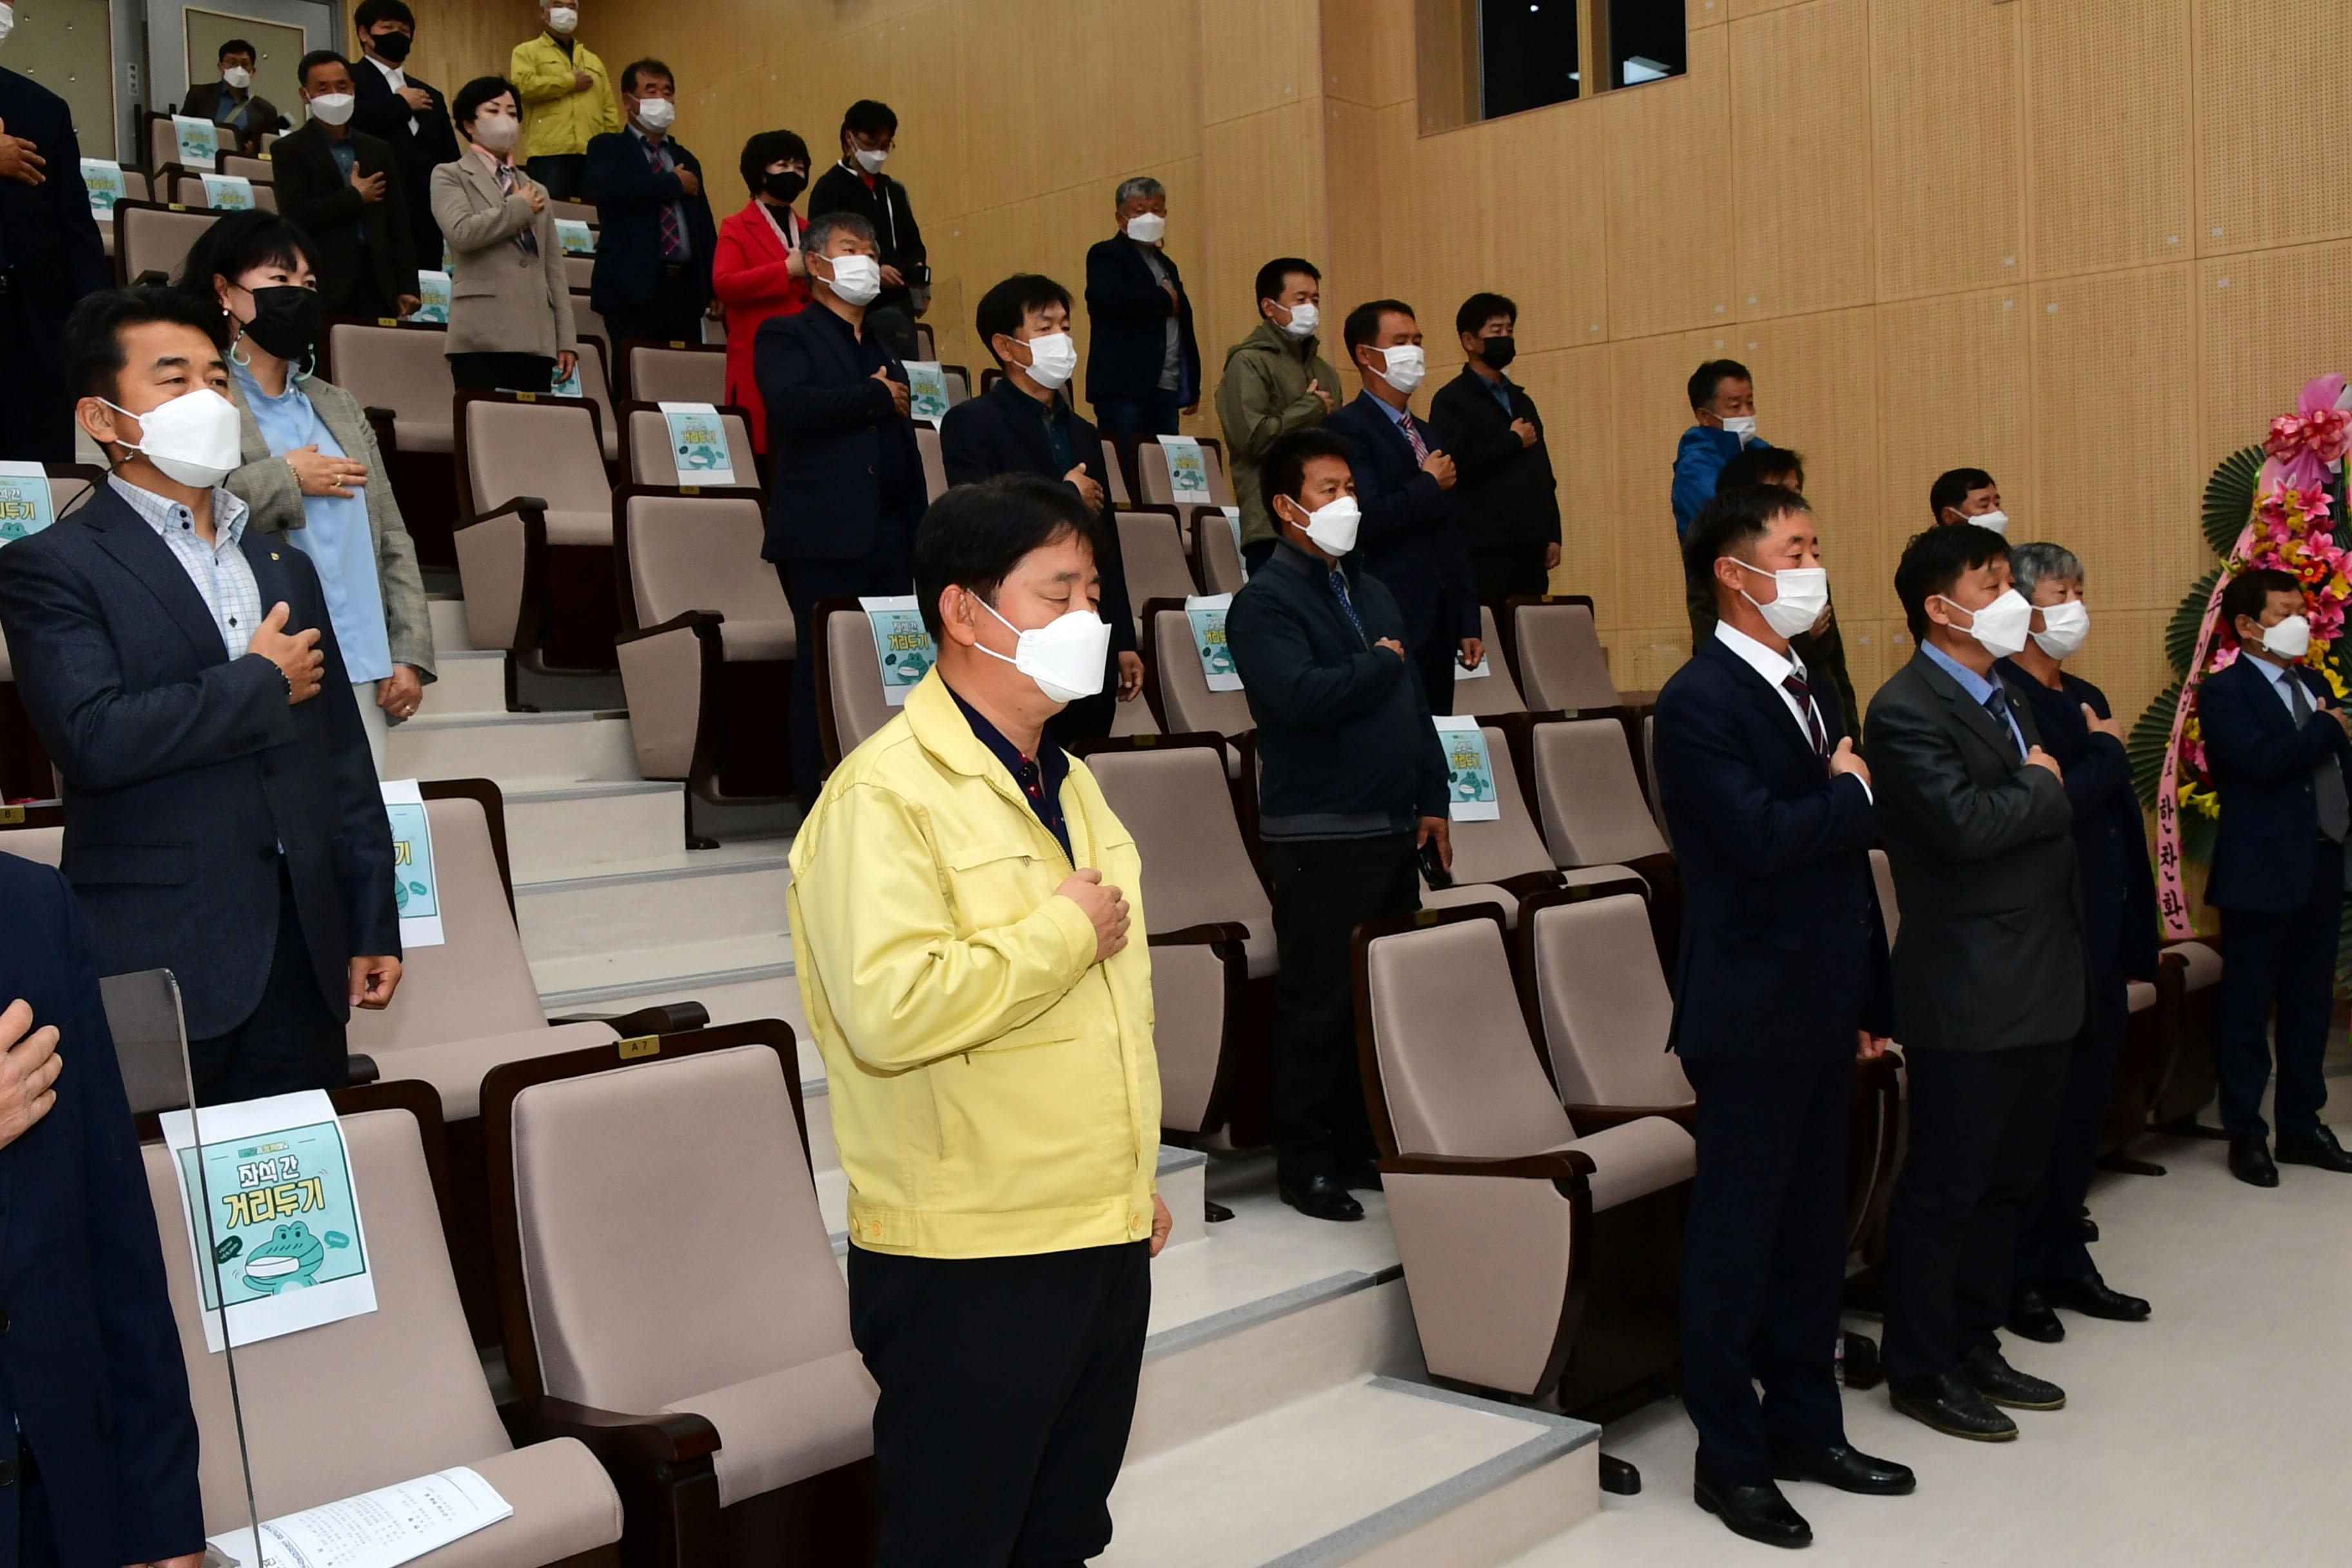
{"x": 757, "y": 270}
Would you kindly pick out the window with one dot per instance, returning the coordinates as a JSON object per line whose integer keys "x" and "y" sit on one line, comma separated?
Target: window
{"x": 1527, "y": 55}
{"x": 1482, "y": 59}
{"x": 1647, "y": 41}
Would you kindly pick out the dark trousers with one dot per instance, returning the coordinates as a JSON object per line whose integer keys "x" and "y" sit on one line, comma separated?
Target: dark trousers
{"x": 675, "y": 316}
{"x": 1323, "y": 890}
{"x": 291, "y": 1041}
{"x": 1507, "y": 572}
{"x": 363, "y": 297}
{"x": 1981, "y": 1126}
{"x": 886, "y": 570}
{"x": 565, "y": 174}
{"x": 1437, "y": 660}
{"x": 502, "y": 373}
{"x": 2285, "y": 961}
{"x": 36, "y": 422}
{"x": 1007, "y": 1389}
{"x": 36, "y": 1538}
{"x": 1153, "y": 414}
{"x": 1764, "y": 1262}
{"x": 2050, "y": 1246}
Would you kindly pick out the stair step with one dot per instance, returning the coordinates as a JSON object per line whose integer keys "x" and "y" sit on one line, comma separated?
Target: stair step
{"x": 738, "y": 978}
{"x": 466, "y": 682}
{"x": 557, "y": 828}
{"x": 449, "y": 633}
{"x": 577, "y": 746}
{"x": 680, "y": 898}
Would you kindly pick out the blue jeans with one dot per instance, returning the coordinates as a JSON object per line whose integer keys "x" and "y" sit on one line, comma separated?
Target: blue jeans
{"x": 1153, "y": 414}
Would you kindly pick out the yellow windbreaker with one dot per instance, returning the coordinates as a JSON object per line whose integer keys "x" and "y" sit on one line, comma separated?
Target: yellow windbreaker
{"x": 557, "y": 116}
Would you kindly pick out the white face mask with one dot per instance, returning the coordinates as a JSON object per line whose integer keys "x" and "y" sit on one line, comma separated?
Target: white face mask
{"x": 1742, "y": 426}
{"x": 1406, "y": 366}
{"x": 7, "y": 20}
{"x": 2064, "y": 628}
{"x": 193, "y": 439}
{"x": 238, "y": 76}
{"x": 496, "y": 131}
{"x": 2290, "y": 639}
{"x": 1064, "y": 657}
{"x": 562, "y": 20}
{"x": 1147, "y": 227}
{"x": 858, "y": 279}
{"x": 1805, "y": 595}
{"x": 656, "y": 113}
{"x": 2001, "y": 627}
{"x": 871, "y": 160}
{"x": 333, "y": 108}
{"x": 1332, "y": 526}
{"x": 1996, "y": 520}
{"x": 1051, "y": 359}
{"x": 1304, "y": 318}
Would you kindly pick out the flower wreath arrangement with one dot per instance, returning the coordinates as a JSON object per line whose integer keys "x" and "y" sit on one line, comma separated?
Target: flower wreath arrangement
{"x": 2279, "y": 504}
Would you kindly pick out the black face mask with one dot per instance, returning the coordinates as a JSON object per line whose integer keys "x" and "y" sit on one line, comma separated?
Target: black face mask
{"x": 393, "y": 47}
{"x": 784, "y": 187}
{"x": 284, "y": 320}
{"x": 1498, "y": 352}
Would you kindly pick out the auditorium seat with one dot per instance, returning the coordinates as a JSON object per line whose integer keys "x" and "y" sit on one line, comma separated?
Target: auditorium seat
{"x": 959, "y": 380}
{"x": 1152, "y": 555}
{"x": 851, "y": 703}
{"x": 534, "y": 533}
{"x": 673, "y": 1299}
{"x": 1650, "y": 775}
{"x": 1882, "y": 872}
{"x": 927, "y": 342}
{"x": 1117, "y": 473}
{"x": 1487, "y": 695}
{"x": 648, "y": 459}
{"x": 1591, "y": 806}
{"x": 585, "y": 321}
{"x": 188, "y": 189}
{"x": 1557, "y": 650}
{"x": 706, "y": 650}
{"x": 1507, "y": 1213}
{"x": 152, "y": 241}
{"x": 403, "y": 1385}
{"x": 1172, "y": 795}
{"x": 935, "y": 466}
{"x": 1501, "y": 863}
{"x": 573, "y": 211}
{"x": 260, "y": 171}
{"x": 1216, "y": 558}
{"x": 579, "y": 272}
{"x": 400, "y": 375}
{"x": 596, "y": 386}
{"x": 1590, "y": 969}
{"x": 164, "y": 140}
{"x": 1151, "y": 473}
{"x": 134, "y": 189}
{"x": 2188, "y": 1078}
{"x": 1179, "y": 692}
{"x": 673, "y": 372}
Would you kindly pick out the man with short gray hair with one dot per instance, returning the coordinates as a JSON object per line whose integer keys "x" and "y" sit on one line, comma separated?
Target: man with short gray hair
{"x": 1143, "y": 367}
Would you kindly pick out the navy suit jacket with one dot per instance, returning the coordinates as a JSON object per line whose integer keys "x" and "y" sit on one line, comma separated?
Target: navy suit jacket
{"x": 629, "y": 201}
{"x": 2261, "y": 767}
{"x": 186, "y": 770}
{"x": 384, "y": 114}
{"x": 1411, "y": 538}
{"x": 1126, "y": 312}
{"x": 46, "y": 230}
{"x": 833, "y": 432}
{"x": 1002, "y": 431}
{"x": 1783, "y": 953}
{"x": 89, "y": 1369}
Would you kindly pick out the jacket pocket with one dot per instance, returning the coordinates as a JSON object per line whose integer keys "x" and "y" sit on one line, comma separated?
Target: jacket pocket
{"x": 152, "y": 865}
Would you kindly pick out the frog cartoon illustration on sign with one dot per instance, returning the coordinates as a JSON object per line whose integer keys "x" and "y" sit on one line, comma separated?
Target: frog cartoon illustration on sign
{"x": 290, "y": 1259}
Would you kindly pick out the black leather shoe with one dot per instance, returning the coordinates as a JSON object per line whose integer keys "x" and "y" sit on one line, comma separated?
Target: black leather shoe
{"x": 2320, "y": 1149}
{"x": 2030, "y": 1317}
{"x": 1759, "y": 1513}
{"x": 2002, "y": 1384}
{"x": 2094, "y": 1298}
{"x": 1360, "y": 1176}
{"x": 1321, "y": 1197}
{"x": 1848, "y": 1470}
{"x": 2087, "y": 1229}
{"x": 1952, "y": 1408}
{"x": 2251, "y": 1163}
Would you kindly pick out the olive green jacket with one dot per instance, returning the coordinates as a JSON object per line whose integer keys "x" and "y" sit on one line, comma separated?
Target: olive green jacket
{"x": 1264, "y": 396}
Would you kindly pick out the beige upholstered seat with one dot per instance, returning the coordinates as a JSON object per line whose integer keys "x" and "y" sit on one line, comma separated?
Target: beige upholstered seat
{"x": 759, "y": 1345}
{"x": 1151, "y": 474}
{"x": 586, "y": 322}
{"x": 673, "y": 374}
{"x": 595, "y": 385}
{"x": 852, "y": 689}
{"x": 935, "y": 466}
{"x": 580, "y": 272}
{"x": 1152, "y": 554}
{"x": 404, "y": 369}
{"x": 162, "y": 140}
{"x": 573, "y": 212}
{"x": 1499, "y": 862}
{"x": 2186, "y": 1078}
{"x": 548, "y": 450}
{"x": 1650, "y": 775}
{"x": 188, "y": 189}
{"x": 1217, "y": 558}
{"x": 44, "y": 844}
{"x": 1196, "y": 870}
{"x": 1607, "y": 1013}
{"x": 1592, "y": 807}
{"x": 651, "y": 461}
{"x": 927, "y": 342}
{"x": 150, "y": 238}
{"x": 404, "y": 1379}
{"x": 1562, "y": 662}
{"x": 1491, "y": 694}
{"x": 1484, "y": 1172}
{"x": 260, "y": 171}
{"x": 1119, "y": 495}
{"x": 959, "y": 383}
{"x": 1188, "y": 706}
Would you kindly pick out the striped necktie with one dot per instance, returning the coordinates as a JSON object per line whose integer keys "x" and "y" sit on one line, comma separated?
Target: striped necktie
{"x": 673, "y": 238}
{"x": 1794, "y": 684}
{"x": 1412, "y": 434}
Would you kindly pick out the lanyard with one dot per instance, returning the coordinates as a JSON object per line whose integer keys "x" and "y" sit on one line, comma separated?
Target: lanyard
{"x": 769, "y": 212}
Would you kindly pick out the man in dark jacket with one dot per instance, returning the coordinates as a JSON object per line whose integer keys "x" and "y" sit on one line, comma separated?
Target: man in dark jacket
{"x": 1024, "y": 425}
{"x": 857, "y": 185}
{"x": 343, "y": 188}
{"x": 1404, "y": 475}
{"x": 2275, "y": 739}
{"x": 408, "y": 115}
{"x": 1504, "y": 489}
{"x": 1143, "y": 367}
{"x": 1781, "y": 985}
{"x": 51, "y": 256}
{"x": 1989, "y": 983}
{"x": 847, "y": 488}
{"x": 101, "y": 1455}
{"x": 1352, "y": 784}
{"x": 231, "y": 103}
{"x": 652, "y": 278}
{"x": 222, "y": 818}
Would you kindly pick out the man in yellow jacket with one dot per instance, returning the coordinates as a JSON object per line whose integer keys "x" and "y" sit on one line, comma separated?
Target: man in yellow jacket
{"x": 567, "y": 98}
{"x": 973, "y": 966}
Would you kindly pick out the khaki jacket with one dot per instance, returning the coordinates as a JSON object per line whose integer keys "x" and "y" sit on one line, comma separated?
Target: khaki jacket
{"x": 559, "y": 117}
{"x": 994, "y": 1088}
{"x": 1263, "y": 396}
{"x": 502, "y": 300}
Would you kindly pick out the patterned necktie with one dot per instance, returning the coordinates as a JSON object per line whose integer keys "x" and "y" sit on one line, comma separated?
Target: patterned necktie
{"x": 527, "y": 239}
{"x": 1794, "y": 684}
{"x": 1412, "y": 434}
{"x": 1996, "y": 704}
{"x": 2326, "y": 779}
{"x": 673, "y": 238}
{"x": 1340, "y": 586}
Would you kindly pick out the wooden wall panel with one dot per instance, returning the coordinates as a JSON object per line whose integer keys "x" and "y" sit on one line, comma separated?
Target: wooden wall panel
{"x": 2124, "y": 656}
{"x": 2253, "y": 57}
{"x": 1668, "y": 188}
{"x": 1649, "y": 380}
{"x": 1545, "y": 172}
{"x": 457, "y": 42}
{"x": 2267, "y": 323}
{"x": 2108, "y": 133}
{"x": 1706, "y": 12}
{"x": 1953, "y": 393}
{"x": 1817, "y": 390}
{"x": 1571, "y": 389}
{"x": 1742, "y": 9}
{"x": 1800, "y": 94}
{"x": 1945, "y": 115}
{"x": 1263, "y": 179}
{"x": 1268, "y": 54}
{"x": 1368, "y": 51}
{"x": 1353, "y": 146}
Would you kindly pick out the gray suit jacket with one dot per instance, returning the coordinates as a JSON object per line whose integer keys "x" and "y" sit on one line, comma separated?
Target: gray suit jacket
{"x": 500, "y": 300}
{"x": 266, "y": 485}
{"x": 1990, "y": 953}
